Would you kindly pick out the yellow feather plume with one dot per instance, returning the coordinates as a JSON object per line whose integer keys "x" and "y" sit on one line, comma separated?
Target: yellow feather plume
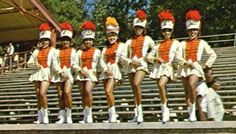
{"x": 111, "y": 21}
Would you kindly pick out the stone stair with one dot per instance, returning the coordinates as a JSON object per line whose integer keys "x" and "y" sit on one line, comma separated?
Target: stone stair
{"x": 18, "y": 101}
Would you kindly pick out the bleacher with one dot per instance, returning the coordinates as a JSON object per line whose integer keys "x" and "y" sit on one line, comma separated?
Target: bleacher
{"x": 18, "y": 100}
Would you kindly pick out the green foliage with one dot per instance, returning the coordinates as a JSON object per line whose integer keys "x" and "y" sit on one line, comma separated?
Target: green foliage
{"x": 218, "y": 16}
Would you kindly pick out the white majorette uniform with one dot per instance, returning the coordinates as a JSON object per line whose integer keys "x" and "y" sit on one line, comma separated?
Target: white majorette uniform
{"x": 65, "y": 57}
{"x": 191, "y": 51}
{"x": 139, "y": 45}
{"x": 44, "y": 57}
{"x": 88, "y": 60}
{"x": 113, "y": 53}
{"x": 138, "y": 50}
{"x": 112, "y": 56}
{"x": 166, "y": 50}
{"x": 66, "y": 62}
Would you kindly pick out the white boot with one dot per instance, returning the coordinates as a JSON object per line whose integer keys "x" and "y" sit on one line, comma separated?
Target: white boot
{"x": 85, "y": 117}
{"x": 112, "y": 114}
{"x": 135, "y": 116}
{"x": 45, "y": 115}
{"x": 165, "y": 113}
{"x": 68, "y": 116}
{"x": 89, "y": 115}
{"x": 40, "y": 118}
{"x": 62, "y": 117}
{"x": 140, "y": 114}
{"x": 192, "y": 112}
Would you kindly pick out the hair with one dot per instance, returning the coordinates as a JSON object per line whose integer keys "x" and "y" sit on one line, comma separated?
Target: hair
{"x": 214, "y": 80}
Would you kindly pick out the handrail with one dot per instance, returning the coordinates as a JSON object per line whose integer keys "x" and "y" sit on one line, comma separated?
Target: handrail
{"x": 15, "y": 64}
{"x": 232, "y": 39}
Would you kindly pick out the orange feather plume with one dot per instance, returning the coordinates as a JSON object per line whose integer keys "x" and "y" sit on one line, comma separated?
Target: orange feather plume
{"x": 193, "y": 15}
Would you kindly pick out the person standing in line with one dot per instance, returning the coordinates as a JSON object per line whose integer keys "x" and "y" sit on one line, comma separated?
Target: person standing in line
{"x": 86, "y": 73}
{"x": 138, "y": 48}
{"x": 65, "y": 63}
{"x": 42, "y": 59}
{"x": 190, "y": 55}
{"x": 112, "y": 54}
{"x": 163, "y": 56}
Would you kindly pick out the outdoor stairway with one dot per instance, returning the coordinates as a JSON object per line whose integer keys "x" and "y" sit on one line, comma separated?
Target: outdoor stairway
{"x": 18, "y": 101}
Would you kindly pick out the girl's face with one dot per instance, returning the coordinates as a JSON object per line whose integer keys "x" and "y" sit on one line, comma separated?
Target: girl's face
{"x": 88, "y": 42}
{"x": 138, "y": 30}
{"x": 65, "y": 43}
{"x": 44, "y": 43}
{"x": 112, "y": 37}
{"x": 216, "y": 86}
{"x": 193, "y": 33}
{"x": 166, "y": 33}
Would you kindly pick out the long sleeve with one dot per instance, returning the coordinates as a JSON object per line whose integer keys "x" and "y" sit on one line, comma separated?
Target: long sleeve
{"x": 126, "y": 52}
{"x": 152, "y": 55}
{"x": 75, "y": 61}
{"x": 102, "y": 62}
{"x": 33, "y": 59}
{"x": 211, "y": 53}
{"x": 55, "y": 65}
{"x": 180, "y": 54}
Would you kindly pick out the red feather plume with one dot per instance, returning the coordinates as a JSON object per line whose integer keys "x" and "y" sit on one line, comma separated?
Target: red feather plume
{"x": 88, "y": 25}
{"x": 44, "y": 27}
{"x": 193, "y": 15}
{"x": 141, "y": 14}
{"x": 166, "y": 15}
{"x": 66, "y": 26}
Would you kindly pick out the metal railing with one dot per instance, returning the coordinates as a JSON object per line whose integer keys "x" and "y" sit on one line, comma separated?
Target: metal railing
{"x": 216, "y": 39}
{"x": 11, "y": 63}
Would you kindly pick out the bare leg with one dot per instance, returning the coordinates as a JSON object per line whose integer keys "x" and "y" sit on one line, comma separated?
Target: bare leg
{"x": 138, "y": 78}
{"x": 131, "y": 79}
{"x": 109, "y": 87}
{"x": 82, "y": 91}
{"x": 88, "y": 93}
{"x": 43, "y": 94}
{"x": 161, "y": 83}
{"x": 186, "y": 90}
{"x": 193, "y": 79}
{"x": 37, "y": 88}
{"x": 61, "y": 100}
{"x": 67, "y": 94}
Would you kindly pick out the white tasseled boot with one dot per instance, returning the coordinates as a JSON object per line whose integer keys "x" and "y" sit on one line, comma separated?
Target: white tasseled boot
{"x": 192, "y": 113}
{"x": 89, "y": 115}
{"x": 112, "y": 114}
{"x": 165, "y": 113}
{"x": 140, "y": 114}
{"x": 85, "y": 117}
{"x": 62, "y": 117}
{"x": 135, "y": 116}
{"x": 40, "y": 118}
{"x": 45, "y": 115}
{"x": 68, "y": 116}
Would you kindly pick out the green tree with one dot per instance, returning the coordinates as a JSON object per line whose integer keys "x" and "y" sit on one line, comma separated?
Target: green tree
{"x": 73, "y": 11}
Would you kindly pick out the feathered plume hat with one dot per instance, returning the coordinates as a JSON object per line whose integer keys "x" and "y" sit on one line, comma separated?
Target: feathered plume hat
{"x": 193, "y": 19}
{"x": 112, "y": 25}
{"x": 140, "y": 18}
{"x": 45, "y": 31}
{"x": 167, "y": 19}
{"x": 88, "y": 30}
{"x": 66, "y": 30}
